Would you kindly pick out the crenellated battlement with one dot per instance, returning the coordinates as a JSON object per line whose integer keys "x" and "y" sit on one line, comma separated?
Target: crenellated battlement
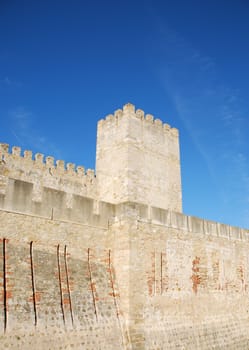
{"x": 129, "y": 110}
{"x": 38, "y": 160}
{"x": 45, "y": 171}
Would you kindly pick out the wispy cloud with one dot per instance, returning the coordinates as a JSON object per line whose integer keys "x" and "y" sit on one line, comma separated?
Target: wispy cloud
{"x": 212, "y": 113}
{"x": 27, "y": 136}
{"x": 6, "y": 81}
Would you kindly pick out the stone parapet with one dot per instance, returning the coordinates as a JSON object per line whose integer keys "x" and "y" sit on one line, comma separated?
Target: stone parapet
{"x": 129, "y": 109}
{"x": 184, "y": 223}
{"x": 45, "y": 172}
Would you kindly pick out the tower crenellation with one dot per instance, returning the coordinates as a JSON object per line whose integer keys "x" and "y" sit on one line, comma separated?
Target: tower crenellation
{"x": 129, "y": 109}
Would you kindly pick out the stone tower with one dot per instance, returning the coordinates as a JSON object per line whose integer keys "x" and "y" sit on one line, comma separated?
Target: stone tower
{"x": 138, "y": 160}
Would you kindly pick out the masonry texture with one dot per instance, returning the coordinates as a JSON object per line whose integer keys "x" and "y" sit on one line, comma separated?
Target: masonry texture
{"x": 107, "y": 260}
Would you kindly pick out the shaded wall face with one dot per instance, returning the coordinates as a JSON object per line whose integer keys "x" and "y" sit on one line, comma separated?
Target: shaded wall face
{"x": 20, "y": 197}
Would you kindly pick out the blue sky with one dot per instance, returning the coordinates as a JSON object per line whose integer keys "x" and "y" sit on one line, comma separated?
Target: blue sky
{"x": 66, "y": 64}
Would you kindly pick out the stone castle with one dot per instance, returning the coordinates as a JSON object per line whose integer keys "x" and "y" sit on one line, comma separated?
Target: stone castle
{"x": 106, "y": 260}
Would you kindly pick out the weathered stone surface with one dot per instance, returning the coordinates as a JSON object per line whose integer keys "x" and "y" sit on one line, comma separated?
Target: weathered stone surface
{"x": 138, "y": 161}
{"x": 109, "y": 261}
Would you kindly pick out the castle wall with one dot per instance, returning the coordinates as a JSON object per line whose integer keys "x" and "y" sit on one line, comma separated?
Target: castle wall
{"x": 172, "y": 280}
{"x": 57, "y": 279}
{"x": 188, "y": 281}
{"x": 108, "y": 261}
